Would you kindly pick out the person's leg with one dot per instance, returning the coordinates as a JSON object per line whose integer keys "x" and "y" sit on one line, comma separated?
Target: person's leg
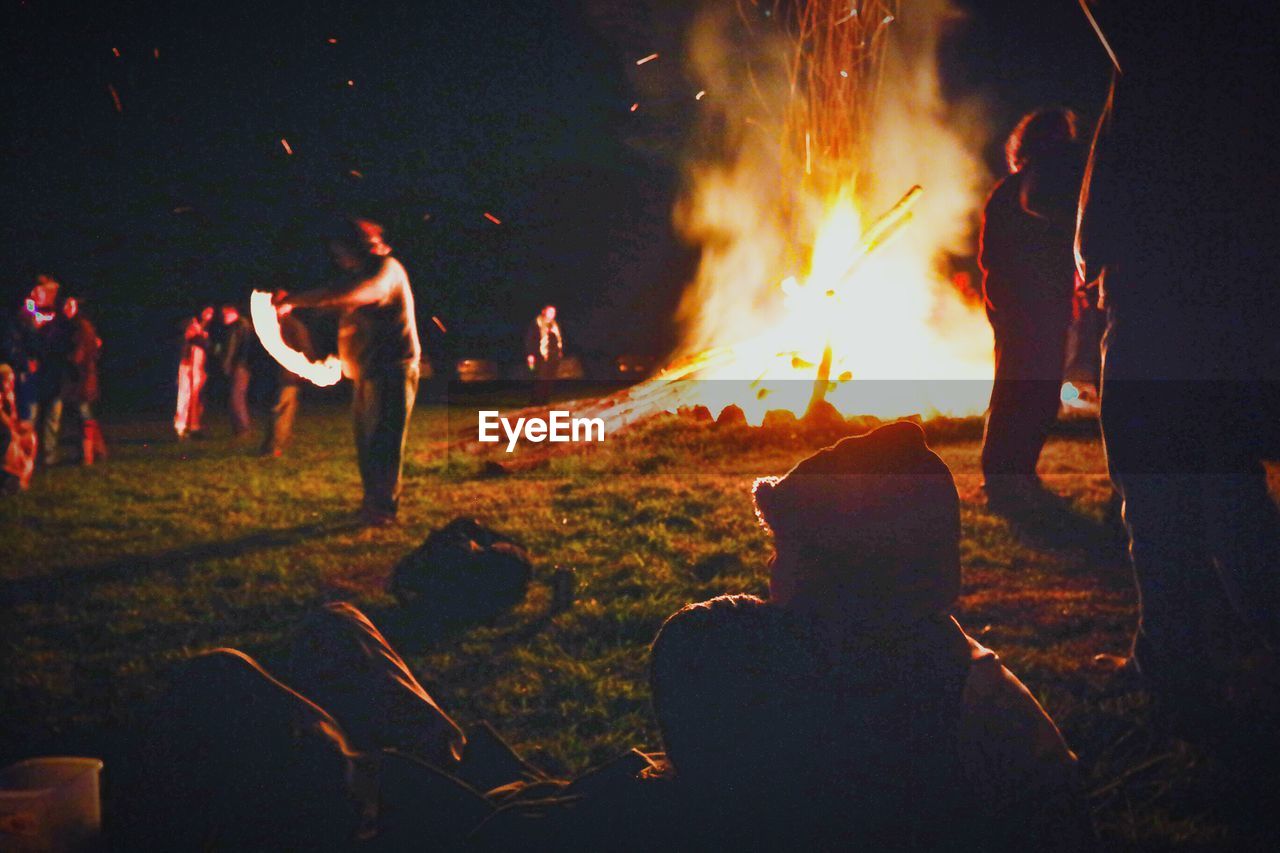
{"x": 999, "y": 464}
{"x": 89, "y": 440}
{"x": 195, "y": 416}
{"x": 1152, "y": 455}
{"x": 233, "y": 758}
{"x": 182, "y": 412}
{"x": 1043, "y": 400}
{"x": 390, "y": 430}
{"x": 1244, "y": 527}
{"x": 343, "y": 662}
{"x": 364, "y": 415}
{"x": 51, "y": 428}
{"x": 282, "y": 417}
{"x": 241, "y": 422}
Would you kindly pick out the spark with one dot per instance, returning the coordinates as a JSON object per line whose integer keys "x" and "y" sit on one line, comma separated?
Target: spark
{"x": 115, "y": 97}
{"x": 356, "y": 173}
{"x": 351, "y": 82}
{"x": 116, "y": 52}
{"x": 888, "y": 19}
{"x": 332, "y": 40}
{"x": 439, "y": 325}
{"x": 844, "y": 73}
{"x": 635, "y": 106}
{"x": 285, "y": 144}
{"x": 489, "y": 216}
{"x": 155, "y": 52}
{"x": 701, "y": 92}
{"x": 650, "y": 58}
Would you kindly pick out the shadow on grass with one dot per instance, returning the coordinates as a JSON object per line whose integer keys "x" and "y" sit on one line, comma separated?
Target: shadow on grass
{"x": 421, "y": 628}
{"x": 60, "y": 582}
{"x": 1054, "y": 524}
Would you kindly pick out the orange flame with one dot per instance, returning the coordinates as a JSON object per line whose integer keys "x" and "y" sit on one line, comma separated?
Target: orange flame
{"x": 267, "y": 325}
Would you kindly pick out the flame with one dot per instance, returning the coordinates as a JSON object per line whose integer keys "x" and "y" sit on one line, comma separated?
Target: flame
{"x": 799, "y": 295}
{"x": 267, "y": 325}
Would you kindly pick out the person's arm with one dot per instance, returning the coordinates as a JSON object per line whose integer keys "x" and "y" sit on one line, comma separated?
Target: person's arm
{"x": 364, "y": 290}
{"x": 1018, "y": 764}
{"x": 295, "y": 333}
{"x": 532, "y": 343}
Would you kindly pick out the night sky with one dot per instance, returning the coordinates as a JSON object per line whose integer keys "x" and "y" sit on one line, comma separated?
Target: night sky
{"x": 186, "y": 195}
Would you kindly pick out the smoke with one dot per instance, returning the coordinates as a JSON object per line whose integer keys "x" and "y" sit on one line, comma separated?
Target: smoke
{"x": 767, "y": 199}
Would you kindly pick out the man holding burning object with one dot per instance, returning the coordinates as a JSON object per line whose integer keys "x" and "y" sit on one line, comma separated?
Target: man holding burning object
{"x": 379, "y": 348}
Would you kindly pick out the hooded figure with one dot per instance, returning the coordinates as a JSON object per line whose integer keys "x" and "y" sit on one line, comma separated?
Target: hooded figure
{"x": 1029, "y": 282}
{"x": 930, "y": 736}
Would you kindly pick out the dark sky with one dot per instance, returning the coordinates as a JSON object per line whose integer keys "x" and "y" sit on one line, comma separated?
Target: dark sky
{"x": 455, "y": 109}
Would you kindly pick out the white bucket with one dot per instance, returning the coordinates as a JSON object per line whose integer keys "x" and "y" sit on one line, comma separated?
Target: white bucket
{"x": 49, "y": 804}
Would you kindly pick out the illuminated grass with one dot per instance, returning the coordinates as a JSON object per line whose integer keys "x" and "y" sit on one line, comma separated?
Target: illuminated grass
{"x": 112, "y": 574}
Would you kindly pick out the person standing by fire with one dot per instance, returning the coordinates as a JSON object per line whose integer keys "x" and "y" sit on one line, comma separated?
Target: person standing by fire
{"x": 380, "y": 353}
{"x": 192, "y": 374}
{"x": 1178, "y": 218}
{"x": 80, "y": 389}
{"x": 1028, "y": 286}
{"x": 544, "y": 347}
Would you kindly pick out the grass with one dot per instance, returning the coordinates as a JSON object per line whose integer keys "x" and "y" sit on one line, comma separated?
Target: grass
{"x": 110, "y": 575}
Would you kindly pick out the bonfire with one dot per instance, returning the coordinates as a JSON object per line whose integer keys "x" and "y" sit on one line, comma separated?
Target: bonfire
{"x": 828, "y": 182}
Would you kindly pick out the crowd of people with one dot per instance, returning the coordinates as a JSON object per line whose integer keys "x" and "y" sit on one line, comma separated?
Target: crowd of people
{"x": 848, "y": 709}
{"x": 222, "y": 346}
{"x": 48, "y": 364}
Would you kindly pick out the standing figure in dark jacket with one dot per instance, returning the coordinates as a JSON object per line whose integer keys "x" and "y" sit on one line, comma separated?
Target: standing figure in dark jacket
{"x": 288, "y": 384}
{"x": 236, "y": 349}
{"x": 1028, "y": 283}
{"x": 80, "y": 388}
{"x": 48, "y": 346}
{"x": 380, "y": 352}
{"x": 1179, "y": 214}
{"x": 544, "y": 347}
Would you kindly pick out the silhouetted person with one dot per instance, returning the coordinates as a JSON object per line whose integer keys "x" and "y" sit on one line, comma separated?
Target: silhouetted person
{"x": 48, "y": 347}
{"x": 235, "y": 357}
{"x": 378, "y": 345}
{"x": 17, "y": 437}
{"x": 188, "y": 418}
{"x": 1028, "y": 285}
{"x": 288, "y": 390}
{"x": 935, "y": 743}
{"x": 80, "y": 388}
{"x": 544, "y": 347}
{"x": 1180, "y": 214}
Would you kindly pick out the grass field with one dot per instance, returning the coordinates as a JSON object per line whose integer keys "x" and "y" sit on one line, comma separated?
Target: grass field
{"x": 109, "y": 575}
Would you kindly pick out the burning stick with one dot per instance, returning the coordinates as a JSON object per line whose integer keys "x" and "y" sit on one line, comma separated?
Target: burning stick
{"x": 267, "y": 325}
